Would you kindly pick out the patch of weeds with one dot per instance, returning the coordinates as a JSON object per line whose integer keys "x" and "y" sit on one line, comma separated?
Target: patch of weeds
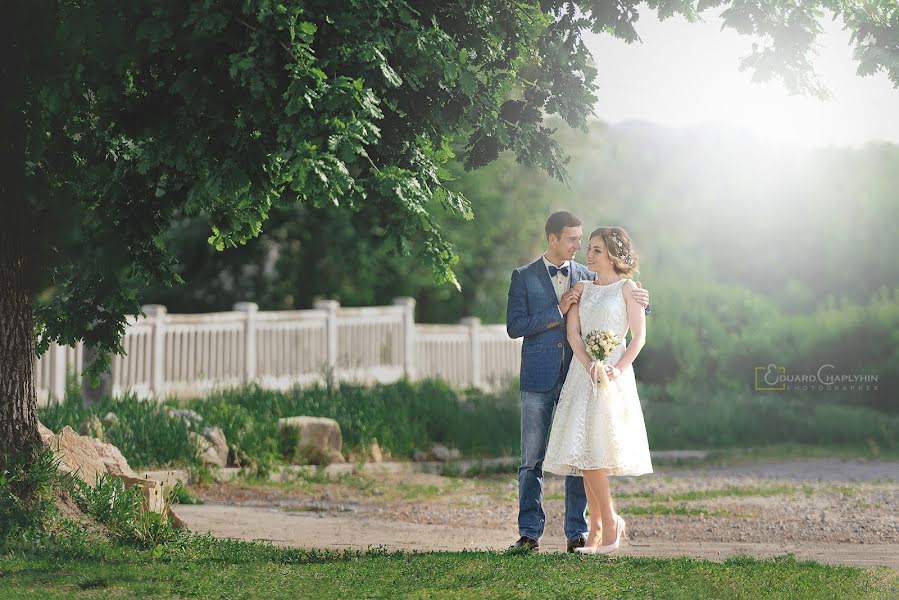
{"x": 27, "y": 485}
{"x": 179, "y": 494}
{"x": 122, "y": 510}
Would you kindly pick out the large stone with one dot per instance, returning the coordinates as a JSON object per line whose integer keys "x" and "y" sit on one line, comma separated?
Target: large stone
{"x": 110, "y": 419}
{"x": 92, "y": 427}
{"x": 112, "y": 458}
{"x": 317, "y": 439}
{"x": 440, "y": 452}
{"x": 90, "y": 459}
{"x": 45, "y": 433}
{"x": 207, "y": 452}
{"x": 216, "y": 437}
{"x": 77, "y": 454}
{"x": 189, "y": 416}
{"x": 374, "y": 452}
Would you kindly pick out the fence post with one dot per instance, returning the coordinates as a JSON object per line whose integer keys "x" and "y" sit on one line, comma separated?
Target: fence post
{"x": 408, "y": 305}
{"x": 331, "y": 307}
{"x": 156, "y": 313}
{"x": 474, "y": 345}
{"x": 249, "y": 338}
{"x": 58, "y": 372}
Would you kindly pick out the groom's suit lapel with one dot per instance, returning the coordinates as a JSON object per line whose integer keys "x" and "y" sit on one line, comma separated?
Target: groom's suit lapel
{"x": 543, "y": 276}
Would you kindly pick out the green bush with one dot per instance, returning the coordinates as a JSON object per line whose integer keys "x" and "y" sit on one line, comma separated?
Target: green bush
{"x": 26, "y": 493}
{"x": 122, "y": 511}
{"x": 734, "y": 420}
{"x": 402, "y": 416}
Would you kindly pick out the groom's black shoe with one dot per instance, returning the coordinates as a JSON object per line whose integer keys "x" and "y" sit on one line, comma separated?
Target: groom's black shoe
{"x": 526, "y": 543}
{"x": 576, "y": 543}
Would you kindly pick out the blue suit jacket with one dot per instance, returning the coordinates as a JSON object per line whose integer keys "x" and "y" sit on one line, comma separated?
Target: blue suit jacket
{"x": 533, "y": 313}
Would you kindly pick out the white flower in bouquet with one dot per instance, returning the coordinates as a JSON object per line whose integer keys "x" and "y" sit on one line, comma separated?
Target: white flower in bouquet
{"x": 601, "y": 344}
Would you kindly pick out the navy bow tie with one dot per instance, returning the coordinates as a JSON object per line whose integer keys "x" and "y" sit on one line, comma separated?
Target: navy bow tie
{"x": 554, "y": 269}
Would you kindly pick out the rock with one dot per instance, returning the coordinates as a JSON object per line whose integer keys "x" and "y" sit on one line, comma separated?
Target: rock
{"x": 439, "y": 452}
{"x": 189, "y": 416}
{"x": 315, "y": 440}
{"x": 110, "y": 419}
{"x": 90, "y": 459}
{"x": 92, "y": 427}
{"x": 206, "y": 451}
{"x": 374, "y": 452}
{"x": 176, "y": 521}
{"x": 455, "y": 454}
{"x": 112, "y": 458}
{"x": 77, "y": 454}
{"x": 45, "y": 433}
{"x": 154, "y": 498}
{"x": 419, "y": 456}
{"x": 216, "y": 437}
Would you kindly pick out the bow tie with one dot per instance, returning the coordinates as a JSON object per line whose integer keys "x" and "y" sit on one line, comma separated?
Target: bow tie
{"x": 554, "y": 269}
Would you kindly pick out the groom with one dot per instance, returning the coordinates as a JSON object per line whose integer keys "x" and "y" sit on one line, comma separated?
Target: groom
{"x": 540, "y": 296}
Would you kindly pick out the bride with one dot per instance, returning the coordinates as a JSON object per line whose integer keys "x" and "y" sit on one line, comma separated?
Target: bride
{"x": 598, "y": 428}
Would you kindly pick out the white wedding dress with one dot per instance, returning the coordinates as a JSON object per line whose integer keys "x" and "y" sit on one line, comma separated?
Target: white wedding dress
{"x": 595, "y": 428}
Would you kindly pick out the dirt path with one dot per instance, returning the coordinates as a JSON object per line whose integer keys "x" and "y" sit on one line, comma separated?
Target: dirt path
{"x": 760, "y": 510}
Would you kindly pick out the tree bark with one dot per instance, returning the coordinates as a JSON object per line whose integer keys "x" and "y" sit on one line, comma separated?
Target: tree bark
{"x": 18, "y": 403}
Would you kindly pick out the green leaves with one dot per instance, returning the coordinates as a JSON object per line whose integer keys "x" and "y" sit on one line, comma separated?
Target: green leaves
{"x": 146, "y": 114}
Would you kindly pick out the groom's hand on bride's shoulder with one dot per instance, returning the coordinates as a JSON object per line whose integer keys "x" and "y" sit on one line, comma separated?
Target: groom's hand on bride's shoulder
{"x": 641, "y": 295}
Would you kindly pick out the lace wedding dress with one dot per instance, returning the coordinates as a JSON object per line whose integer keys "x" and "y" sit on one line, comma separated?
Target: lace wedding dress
{"x": 595, "y": 428}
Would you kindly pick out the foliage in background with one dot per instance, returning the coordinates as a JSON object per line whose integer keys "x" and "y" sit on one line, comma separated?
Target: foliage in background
{"x": 739, "y": 247}
{"x": 404, "y": 416}
{"x": 408, "y": 416}
{"x": 139, "y": 116}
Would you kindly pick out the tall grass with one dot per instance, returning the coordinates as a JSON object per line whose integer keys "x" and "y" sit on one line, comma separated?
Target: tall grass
{"x": 408, "y": 416}
{"x": 403, "y": 416}
{"x": 732, "y": 420}
{"x": 144, "y": 432}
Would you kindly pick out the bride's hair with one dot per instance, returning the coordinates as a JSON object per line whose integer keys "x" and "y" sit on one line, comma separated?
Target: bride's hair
{"x": 621, "y": 250}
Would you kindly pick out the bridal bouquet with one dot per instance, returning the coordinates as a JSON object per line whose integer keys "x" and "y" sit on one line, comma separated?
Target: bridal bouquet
{"x": 600, "y": 344}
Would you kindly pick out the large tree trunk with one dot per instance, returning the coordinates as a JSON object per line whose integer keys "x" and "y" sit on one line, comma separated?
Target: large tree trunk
{"x": 18, "y": 404}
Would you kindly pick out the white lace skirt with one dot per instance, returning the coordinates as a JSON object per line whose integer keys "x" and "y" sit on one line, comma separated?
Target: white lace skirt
{"x": 601, "y": 430}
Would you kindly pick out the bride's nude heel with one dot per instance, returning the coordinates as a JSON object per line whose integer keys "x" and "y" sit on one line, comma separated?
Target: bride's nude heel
{"x": 618, "y": 535}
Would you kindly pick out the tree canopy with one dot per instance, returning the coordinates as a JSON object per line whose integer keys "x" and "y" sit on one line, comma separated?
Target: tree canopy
{"x": 130, "y": 116}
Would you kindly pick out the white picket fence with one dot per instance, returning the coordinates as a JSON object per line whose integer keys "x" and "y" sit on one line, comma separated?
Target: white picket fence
{"x": 186, "y": 355}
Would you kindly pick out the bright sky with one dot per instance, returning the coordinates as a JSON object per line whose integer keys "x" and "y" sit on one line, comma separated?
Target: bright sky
{"x": 687, "y": 73}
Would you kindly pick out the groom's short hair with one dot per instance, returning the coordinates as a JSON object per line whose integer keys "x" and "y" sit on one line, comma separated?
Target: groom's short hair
{"x": 559, "y": 221}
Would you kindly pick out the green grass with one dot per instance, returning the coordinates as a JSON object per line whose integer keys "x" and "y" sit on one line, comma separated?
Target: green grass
{"x": 407, "y": 416}
{"x": 780, "y": 490}
{"x": 687, "y": 511}
{"x": 205, "y": 568}
{"x": 791, "y": 451}
{"x": 366, "y": 486}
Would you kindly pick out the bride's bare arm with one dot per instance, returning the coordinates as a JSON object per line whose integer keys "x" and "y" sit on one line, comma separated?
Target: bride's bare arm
{"x": 636, "y": 320}
{"x": 573, "y": 330}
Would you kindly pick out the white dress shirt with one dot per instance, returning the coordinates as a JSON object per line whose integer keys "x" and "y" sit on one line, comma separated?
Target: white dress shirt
{"x": 560, "y": 282}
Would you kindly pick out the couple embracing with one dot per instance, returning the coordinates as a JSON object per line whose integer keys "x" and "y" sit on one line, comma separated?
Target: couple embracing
{"x": 574, "y": 319}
